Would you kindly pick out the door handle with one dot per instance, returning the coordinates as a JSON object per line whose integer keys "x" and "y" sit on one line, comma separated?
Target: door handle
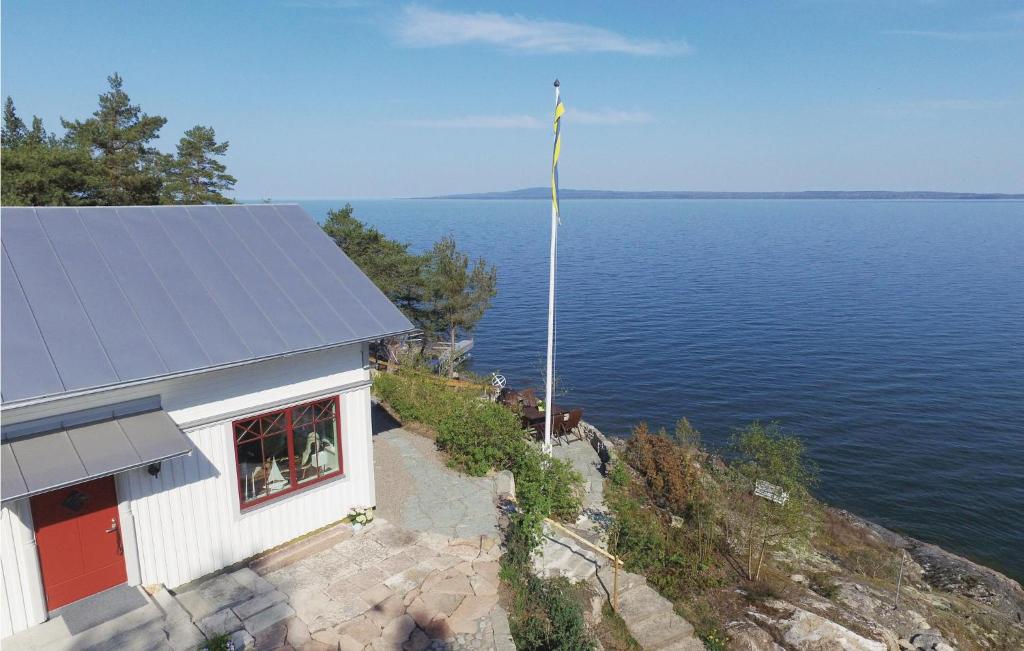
{"x": 113, "y": 526}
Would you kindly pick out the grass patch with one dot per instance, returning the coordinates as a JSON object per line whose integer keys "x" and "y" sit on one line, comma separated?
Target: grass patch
{"x": 217, "y": 643}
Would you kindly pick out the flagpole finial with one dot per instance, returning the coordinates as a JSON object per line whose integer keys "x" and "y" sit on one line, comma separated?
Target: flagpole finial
{"x": 557, "y": 84}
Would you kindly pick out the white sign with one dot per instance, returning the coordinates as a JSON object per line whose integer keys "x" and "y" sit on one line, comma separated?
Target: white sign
{"x": 770, "y": 492}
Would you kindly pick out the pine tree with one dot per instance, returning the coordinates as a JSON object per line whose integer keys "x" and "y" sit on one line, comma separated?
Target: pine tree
{"x": 458, "y": 295}
{"x": 14, "y": 130}
{"x": 118, "y": 135}
{"x": 195, "y": 176}
{"x": 39, "y": 169}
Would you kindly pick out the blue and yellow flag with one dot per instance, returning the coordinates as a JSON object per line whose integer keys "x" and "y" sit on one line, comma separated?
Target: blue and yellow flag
{"x": 559, "y": 110}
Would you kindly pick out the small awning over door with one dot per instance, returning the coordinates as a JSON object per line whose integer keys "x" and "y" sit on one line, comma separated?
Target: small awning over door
{"x": 43, "y": 462}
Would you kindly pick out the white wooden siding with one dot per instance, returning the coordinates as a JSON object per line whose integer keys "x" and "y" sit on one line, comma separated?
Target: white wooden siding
{"x": 18, "y": 607}
{"x": 187, "y": 520}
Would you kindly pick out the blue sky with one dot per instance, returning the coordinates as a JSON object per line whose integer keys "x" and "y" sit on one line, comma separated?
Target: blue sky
{"x": 324, "y": 98}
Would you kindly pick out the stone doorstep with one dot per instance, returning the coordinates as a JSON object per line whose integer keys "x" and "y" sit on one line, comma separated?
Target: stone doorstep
{"x": 173, "y": 611}
{"x": 207, "y": 596}
{"x": 143, "y": 638}
{"x": 398, "y": 630}
{"x": 259, "y": 603}
{"x": 220, "y": 622}
{"x": 182, "y": 634}
{"x": 267, "y": 618}
{"x": 251, "y": 581}
{"x": 295, "y": 551}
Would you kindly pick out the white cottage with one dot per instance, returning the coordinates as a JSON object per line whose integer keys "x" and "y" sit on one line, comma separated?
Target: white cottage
{"x": 183, "y": 388}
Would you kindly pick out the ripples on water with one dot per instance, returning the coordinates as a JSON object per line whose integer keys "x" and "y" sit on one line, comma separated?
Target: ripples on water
{"x": 886, "y": 334}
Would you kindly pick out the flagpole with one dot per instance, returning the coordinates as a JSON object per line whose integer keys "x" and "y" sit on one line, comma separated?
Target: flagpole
{"x": 549, "y": 376}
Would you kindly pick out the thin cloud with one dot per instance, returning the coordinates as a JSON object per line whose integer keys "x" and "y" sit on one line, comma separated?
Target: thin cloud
{"x": 476, "y": 122}
{"x": 937, "y": 106}
{"x": 966, "y": 36}
{"x": 324, "y": 4}
{"x": 608, "y": 117}
{"x": 422, "y": 27}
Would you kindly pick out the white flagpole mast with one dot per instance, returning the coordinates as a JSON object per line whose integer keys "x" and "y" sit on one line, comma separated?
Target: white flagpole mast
{"x": 549, "y": 377}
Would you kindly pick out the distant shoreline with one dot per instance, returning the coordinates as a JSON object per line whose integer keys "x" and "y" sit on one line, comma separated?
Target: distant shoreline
{"x": 545, "y": 193}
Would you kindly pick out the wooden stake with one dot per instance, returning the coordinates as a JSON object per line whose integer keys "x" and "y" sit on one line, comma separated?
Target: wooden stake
{"x": 899, "y": 581}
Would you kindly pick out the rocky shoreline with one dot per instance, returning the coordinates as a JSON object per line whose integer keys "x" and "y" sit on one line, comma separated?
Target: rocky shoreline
{"x": 946, "y": 571}
{"x": 945, "y": 601}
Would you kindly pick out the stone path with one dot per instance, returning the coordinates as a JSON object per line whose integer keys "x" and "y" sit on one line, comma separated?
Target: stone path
{"x": 584, "y": 459}
{"x": 417, "y": 491}
{"x": 595, "y": 519}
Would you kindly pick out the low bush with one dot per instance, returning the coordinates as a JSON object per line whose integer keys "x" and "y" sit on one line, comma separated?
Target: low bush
{"x": 824, "y": 585}
{"x": 715, "y": 640}
{"x": 220, "y": 642}
{"x": 666, "y": 517}
{"x": 665, "y": 467}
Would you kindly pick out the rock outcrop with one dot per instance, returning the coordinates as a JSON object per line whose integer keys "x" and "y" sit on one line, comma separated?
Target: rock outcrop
{"x": 954, "y": 574}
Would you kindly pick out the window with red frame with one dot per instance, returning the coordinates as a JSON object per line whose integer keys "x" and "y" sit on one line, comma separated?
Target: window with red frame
{"x": 283, "y": 451}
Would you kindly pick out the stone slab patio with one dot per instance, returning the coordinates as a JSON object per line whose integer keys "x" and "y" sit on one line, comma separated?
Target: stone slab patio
{"x": 381, "y": 588}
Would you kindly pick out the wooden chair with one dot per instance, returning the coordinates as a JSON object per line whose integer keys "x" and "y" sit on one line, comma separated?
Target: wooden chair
{"x": 528, "y": 398}
{"x": 568, "y": 424}
{"x": 509, "y": 397}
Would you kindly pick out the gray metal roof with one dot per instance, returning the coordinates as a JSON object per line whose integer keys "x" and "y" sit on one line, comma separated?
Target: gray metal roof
{"x": 70, "y": 455}
{"x": 98, "y": 297}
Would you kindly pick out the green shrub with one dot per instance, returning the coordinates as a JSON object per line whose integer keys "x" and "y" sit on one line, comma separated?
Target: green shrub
{"x": 619, "y": 474}
{"x": 715, "y": 640}
{"x": 478, "y": 435}
{"x": 217, "y": 643}
{"x": 546, "y": 614}
{"x": 638, "y": 537}
{"x": 824, "y": 585}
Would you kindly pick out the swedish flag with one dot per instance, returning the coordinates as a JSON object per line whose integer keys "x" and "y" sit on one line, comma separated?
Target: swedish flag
{"x": 559, "y": 111}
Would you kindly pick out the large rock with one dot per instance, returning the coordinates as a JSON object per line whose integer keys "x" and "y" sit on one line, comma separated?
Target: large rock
{"x": 930, "y": 640}
{"x": 805, "y": 631}
{"x": 951, "y": 573}
{"x": 505, "y": 485}
{"x": 745, "y": 636}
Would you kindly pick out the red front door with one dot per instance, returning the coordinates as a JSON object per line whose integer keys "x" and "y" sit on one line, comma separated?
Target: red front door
{"x": 79, "y": 539}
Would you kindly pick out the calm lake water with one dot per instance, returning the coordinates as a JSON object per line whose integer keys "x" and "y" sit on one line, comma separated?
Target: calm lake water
{"x": 887, "y": 335}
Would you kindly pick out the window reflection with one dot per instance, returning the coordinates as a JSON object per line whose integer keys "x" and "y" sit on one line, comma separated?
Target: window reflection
{"x": 282, "y": 450}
